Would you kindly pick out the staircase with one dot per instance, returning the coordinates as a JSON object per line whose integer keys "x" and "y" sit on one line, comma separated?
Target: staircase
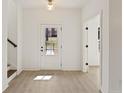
{"x": 11, "y": 73}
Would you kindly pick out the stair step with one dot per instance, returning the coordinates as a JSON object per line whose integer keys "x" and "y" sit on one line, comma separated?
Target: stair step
{"x": 10, "y": 72}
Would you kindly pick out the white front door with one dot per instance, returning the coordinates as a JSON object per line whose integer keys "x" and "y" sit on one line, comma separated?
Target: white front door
{"x": 50, "y": 47}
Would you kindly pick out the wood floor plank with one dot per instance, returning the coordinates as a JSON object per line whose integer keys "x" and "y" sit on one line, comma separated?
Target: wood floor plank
{"x": 61, "y": 82}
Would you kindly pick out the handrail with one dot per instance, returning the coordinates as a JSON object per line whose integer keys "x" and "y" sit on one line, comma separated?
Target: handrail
{"x": 11, "y": 42}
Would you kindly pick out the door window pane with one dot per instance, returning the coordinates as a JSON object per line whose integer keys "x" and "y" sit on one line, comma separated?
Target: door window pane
{"x": 51, "y": 41}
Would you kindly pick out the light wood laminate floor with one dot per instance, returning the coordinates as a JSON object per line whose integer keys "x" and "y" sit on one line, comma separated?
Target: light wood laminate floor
{"x": 61, "y": 82}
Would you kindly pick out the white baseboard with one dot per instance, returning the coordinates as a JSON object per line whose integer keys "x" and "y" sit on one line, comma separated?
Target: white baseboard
{"x": 37, "y": 69}
{"x": 63, "y": 68}
{"x": 12, "y": 77}
{"x": 50, "y": 69}
{"x": 100, "y": 91}
{"x": 94, "y": 66}
{"x": 4, "y": 88}
{"x": 111, "y": 91}
{"x": 19, "y": 71}
{"x": 30, "y": 69}
{"x": 71, "y": 68}
{"x": 115, "y": 91}
{"x": 12, "y": 68}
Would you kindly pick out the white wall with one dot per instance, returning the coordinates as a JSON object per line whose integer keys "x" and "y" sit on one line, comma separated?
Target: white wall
{"x": 71, "y": 22}
{"x": 4, "y": 44}
{"x": 12, "y": 33}
{"x": 91, "y": 9}
{"x": 115, "y": 51}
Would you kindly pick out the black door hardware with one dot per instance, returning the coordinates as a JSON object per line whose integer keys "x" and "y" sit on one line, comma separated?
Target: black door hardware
{"x": 41, "y": 50}
{"x": 87, "y": 64}
{"x": 86, "y": 28}
{"x": 86, "y": 46}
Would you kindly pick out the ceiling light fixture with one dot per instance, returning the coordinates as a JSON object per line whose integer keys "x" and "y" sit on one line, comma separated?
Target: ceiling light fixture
{"x": 50, "y": 5}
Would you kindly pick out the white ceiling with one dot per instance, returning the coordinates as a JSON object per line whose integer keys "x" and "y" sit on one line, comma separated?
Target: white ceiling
{"x": 58, "y": 3}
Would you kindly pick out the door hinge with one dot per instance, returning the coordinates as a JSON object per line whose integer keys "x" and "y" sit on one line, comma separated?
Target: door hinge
{"x": 98, "y": 28}
{"x": 86, "y": 46}
{"x": 86, "y": 28}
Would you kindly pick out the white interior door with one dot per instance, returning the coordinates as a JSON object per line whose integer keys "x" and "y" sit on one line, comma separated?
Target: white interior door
{"x": 50, "y": 47}
{"x": 85, "y": 47}
{"x": 92, "y": 45}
